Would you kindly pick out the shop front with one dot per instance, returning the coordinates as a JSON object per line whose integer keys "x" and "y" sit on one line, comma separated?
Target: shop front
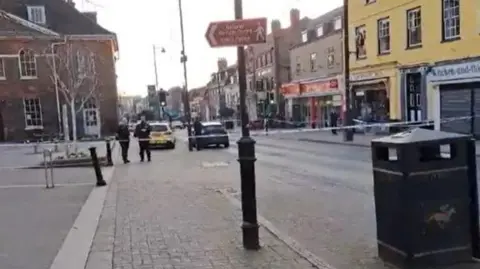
{"x": 321, "y": 97}
{"x": 311, "y": 101}
{"x": 454, "y": 91}
{"x": 413, "y": 93}
{"x": 373, "y": 96}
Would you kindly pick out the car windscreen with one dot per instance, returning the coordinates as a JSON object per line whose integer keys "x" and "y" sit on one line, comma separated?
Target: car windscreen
{"x": 213, "y": 128}
{"x": 159, "y": 128}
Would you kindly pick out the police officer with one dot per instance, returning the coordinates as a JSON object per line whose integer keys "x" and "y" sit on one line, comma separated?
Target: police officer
{"x": 123, "y": 136}
{"x": 142, "y": 132}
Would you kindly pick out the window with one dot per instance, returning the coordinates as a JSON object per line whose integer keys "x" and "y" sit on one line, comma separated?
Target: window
{"x": 330, "y": 57}
{"x": 451, "y": 19}
{"x": 33, "y": 113}
{"x": 36, "y": 14}
{"x": 298, "y": 67}
{"x": 414, "y": 27}
{"x": 28, "y": 64}
{"x": 360, "y": 45}
{"x": 320, "y": 30}
{"x": 337, "y": 25}
{"x": 313, "y": 62}
{"x": 383, "y": 36}
{"x": 2, "y": 69}
{"x": 304, "y": 36}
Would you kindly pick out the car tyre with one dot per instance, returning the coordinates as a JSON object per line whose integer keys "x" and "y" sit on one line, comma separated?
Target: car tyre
{"x": 227, "y": 145}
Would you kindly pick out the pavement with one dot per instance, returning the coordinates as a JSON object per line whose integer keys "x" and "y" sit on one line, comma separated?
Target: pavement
{"x": 318, "y": 194}
{"x": 35, "y": 220}
{"x": 161, "y": 215}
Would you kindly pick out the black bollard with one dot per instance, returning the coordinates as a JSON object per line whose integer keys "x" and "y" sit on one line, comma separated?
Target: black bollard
{"x": 246, "y": 158}
{"x": 96, "y": 167}
{"x": 109, "y": 152}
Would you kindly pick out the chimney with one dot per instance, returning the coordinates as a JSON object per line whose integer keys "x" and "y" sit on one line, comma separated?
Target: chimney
{"x": 276, "y": 25}
{"x": 222, "y": 64}
{"x": 91, "y": 15}
{"x": 294, "y": 17}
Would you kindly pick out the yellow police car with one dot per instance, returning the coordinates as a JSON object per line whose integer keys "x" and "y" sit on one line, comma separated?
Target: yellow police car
{"x": 162, "y": 136}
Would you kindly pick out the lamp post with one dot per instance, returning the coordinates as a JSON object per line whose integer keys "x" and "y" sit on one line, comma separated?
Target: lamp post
{"x": 183, "y": 60}
{"x": 348, "y": 133}
{"x": 162, "y": 50}
{"x": 246, "y": 155}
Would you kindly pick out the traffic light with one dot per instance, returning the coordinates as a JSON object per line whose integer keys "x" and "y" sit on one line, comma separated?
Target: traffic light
{"x": 162, "y": 97}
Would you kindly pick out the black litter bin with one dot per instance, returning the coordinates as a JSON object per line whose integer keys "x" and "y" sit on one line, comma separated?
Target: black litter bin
{"x": 426, "y": 200}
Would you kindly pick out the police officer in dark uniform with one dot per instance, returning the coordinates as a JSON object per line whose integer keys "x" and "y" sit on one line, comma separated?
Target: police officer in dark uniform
{"x": 123, "y": 136}
{"x": 197, "y": 128}
{"x": 142, "y": 132}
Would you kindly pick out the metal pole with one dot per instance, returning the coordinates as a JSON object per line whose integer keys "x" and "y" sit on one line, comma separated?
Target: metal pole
{"x": 183, "y": 59}
{"x": 348, "y": 133}
{"x": 52, "y": 180}
{"x": 219, "y": 92}
{"x": 45, "y": 166}
{"x": 155, "y": 66}
{"x": 246, "y": 156}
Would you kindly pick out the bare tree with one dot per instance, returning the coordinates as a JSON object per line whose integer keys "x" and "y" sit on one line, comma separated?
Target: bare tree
{"x": 74, "y": 71}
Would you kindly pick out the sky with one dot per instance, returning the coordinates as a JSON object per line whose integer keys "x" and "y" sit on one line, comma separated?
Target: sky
{"x": 141, "y": 24}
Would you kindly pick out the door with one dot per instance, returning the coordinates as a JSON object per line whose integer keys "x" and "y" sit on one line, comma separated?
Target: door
{"x": 456, "y": 103}
{"x": 91, "y": 122}
{"x": 414, "y": 83}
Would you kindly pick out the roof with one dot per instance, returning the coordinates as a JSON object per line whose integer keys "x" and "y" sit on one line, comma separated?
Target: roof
{"x": 61, "y": 16}
{"x": 155, "y": 123}
{"x": 13, "y": 26}
{"x": 211, "y": 123}
{"x": 325, "y": 18}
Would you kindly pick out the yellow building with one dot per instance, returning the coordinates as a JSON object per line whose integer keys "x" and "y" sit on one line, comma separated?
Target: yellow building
{"x": 404, "y": 50}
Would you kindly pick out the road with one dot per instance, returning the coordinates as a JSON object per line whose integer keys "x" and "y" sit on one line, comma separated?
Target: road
{"x": 319, "y": 194}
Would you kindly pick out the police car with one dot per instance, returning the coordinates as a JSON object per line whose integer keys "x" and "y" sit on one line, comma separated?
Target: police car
{"x": 162, "y": 136}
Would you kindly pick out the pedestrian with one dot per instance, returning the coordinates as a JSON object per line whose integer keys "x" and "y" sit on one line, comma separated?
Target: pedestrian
{"x": 123, "y": 137}
{"x": 333, "y": 121}
{"x": 142, "y": 133}
{"x": 197, "y": 128}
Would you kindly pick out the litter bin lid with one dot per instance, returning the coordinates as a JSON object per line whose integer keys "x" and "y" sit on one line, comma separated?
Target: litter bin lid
{"x": 420, "y": 136}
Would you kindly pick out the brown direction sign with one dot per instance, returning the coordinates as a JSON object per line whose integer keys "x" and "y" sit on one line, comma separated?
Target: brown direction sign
{"x": 237, "y": 33}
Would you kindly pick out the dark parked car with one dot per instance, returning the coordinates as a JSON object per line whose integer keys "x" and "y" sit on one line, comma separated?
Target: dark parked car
{"x": 212, "y": 133}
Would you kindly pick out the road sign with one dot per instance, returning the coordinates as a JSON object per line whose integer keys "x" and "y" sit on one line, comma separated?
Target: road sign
{"x": 237, "y": 33}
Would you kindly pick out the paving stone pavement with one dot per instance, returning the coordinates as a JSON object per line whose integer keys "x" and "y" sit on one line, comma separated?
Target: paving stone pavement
{"x": 160, "y": 215}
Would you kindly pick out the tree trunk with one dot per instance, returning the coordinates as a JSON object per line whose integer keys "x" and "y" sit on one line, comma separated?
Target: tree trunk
{"x": 74, "y": 120}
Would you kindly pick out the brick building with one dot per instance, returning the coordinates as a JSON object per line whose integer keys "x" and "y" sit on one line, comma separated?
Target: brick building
{"x": 268, "y": 64}
{"x": 317, "y": 71}
{"x": 33, "y": 33}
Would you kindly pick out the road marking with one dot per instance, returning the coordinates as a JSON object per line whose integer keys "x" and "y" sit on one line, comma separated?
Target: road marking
{"x": 214, "y": 164}
{"x": 43, "y": 185}
{"x": 316, "y": 261}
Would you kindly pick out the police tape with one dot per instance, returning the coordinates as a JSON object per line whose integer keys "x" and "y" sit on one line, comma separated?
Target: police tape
{"x": 263, "y": 132}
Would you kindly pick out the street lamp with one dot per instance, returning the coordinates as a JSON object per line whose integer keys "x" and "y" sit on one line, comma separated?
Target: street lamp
{"x": 183, "y": 60}
{"x": 162, "y": 50}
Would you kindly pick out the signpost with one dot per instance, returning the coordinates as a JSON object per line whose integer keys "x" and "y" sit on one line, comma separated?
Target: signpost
{"x": 237, "y": 33}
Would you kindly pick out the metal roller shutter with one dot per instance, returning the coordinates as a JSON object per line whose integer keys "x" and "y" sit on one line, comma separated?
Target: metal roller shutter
{"x": 476, "y": 125}
{"x": 453, "y": 104}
